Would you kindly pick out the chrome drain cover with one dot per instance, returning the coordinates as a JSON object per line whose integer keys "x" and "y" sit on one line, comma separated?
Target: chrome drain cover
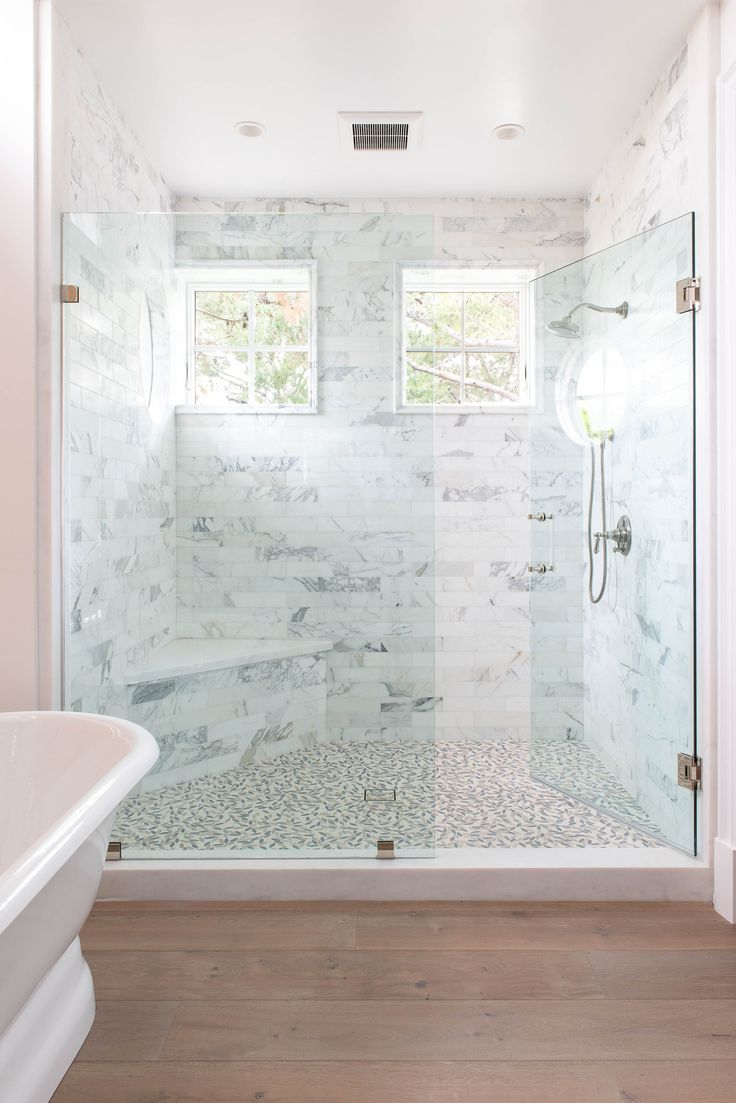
{"x": 379, "y": 794}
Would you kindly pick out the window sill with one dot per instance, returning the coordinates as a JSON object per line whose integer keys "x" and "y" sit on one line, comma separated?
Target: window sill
{"x": 494, "y": 408}
{"x": 250, "y": 411}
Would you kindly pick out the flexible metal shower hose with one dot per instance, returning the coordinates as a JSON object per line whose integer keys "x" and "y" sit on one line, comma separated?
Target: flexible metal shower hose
{"x": 602, "y": 590}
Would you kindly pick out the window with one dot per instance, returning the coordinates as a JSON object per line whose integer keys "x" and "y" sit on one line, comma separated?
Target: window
{"x": 464, "y": 338}
{"x": 252, "y": 338}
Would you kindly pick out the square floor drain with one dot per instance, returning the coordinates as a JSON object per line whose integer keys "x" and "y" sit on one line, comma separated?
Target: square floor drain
{"x": 379, "y": 794}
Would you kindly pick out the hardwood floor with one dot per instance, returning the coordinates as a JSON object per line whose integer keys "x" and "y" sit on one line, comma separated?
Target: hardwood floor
{"x": 437, "y": 1003}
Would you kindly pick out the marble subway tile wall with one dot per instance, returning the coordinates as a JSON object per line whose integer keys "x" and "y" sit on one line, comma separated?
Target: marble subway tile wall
{"x": 637, "y": 672}
{"x": 119, "y": 446}
{"x": 320, "y": 526}
{"x": 282, "y": 521}
{"x": 639, "y": 639}
{"x": 99, "y": 164}
{"x": 644, "y": 180}
{"x": 556, "y": 491}
{"x": 119, "y": 455}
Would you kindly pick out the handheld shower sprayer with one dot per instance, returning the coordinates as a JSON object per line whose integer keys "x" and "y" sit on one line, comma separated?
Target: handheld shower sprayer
{"x": 621, "y": 535}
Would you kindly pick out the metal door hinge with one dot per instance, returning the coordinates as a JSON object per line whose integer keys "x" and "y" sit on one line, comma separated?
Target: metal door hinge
{"x": 689, "y": 771}
{"x": 114, "y": 852}
{"x": 385, "y": 848}
{"x": 69, "y": 293}
{"x": 688, "y": 294}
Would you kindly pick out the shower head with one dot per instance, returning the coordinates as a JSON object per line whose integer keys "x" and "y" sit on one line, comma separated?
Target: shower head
{"x": 566, "y": 327}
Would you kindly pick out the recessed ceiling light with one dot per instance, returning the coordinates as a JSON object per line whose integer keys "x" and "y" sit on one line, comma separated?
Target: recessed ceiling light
{"x": 250, "y": 129}
{"x": 508, "y": 131}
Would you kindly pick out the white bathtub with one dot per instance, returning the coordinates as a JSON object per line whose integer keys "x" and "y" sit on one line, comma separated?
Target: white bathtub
{"x": 62, "y": 776}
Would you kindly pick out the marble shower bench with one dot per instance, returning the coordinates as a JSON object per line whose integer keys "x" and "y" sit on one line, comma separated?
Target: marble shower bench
{"x": 213, "y": 704}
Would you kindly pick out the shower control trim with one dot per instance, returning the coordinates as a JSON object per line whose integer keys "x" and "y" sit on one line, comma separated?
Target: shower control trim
{"x": 540, "y": 568}
{"x": 620, "y": 536}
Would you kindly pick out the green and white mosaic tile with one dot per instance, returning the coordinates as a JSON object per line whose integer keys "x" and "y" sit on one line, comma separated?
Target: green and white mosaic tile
{"x": 452, "y": 794}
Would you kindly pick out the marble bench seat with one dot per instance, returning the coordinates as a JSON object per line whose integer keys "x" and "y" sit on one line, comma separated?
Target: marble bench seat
{"x": 215, "y": 704}
{"x": 188, "y": 656}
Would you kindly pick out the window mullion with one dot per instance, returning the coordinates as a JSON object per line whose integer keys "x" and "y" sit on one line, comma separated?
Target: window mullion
{"x": 251, "y": 348}
{"x": 462, "y": 348}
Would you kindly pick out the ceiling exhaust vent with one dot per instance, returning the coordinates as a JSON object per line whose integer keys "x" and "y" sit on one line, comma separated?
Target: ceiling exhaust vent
{"x": 378, "y": 131}
{"x": 380, "y": 135}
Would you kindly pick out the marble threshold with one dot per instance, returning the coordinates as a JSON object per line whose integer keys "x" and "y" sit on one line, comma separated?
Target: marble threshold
{"x": 514, "y": 873}
{"x": 189, "y": 656}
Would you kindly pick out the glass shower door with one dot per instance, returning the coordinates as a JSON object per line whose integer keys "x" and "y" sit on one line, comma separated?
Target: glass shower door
{"x": 611, "y": 535}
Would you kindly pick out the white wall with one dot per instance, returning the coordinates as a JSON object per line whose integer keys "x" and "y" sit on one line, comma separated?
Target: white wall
{"x": 89, "y": 160}
{"x": 728, "y": 34}
{"x": 725, "y": 844}
{"x": 18, "y": 666}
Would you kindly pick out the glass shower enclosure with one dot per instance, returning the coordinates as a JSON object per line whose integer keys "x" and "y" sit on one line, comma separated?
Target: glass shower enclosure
{"x": 612, "y": 533}
{"x": 255, "y": 588}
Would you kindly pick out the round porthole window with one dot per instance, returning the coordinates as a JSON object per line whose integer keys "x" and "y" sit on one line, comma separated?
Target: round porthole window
{"x": 592, "y": 395}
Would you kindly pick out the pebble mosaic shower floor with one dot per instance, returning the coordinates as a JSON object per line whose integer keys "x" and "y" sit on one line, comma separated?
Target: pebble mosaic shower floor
{"x": 452, "y": 794}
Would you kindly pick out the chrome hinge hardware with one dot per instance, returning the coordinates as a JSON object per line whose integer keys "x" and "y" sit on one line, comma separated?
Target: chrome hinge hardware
{"x": 689, "y": 771}
{"x": 385, "y": 848}
{"x": 540, "y": 568}
{"x": 688, "y": 294}
{"x": 69, "y": 293}
{"x": 114, "y": 852}
{"x": 540, "y": 516}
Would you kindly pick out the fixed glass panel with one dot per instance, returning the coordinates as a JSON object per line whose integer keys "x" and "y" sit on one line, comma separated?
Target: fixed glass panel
{"x": 611, "y": 534}
{"x": 256, "y": 589}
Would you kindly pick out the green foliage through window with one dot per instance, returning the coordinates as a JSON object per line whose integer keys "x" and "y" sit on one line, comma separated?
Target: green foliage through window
{"x": 251, "y": 347}
{"x": 462, "y": 347}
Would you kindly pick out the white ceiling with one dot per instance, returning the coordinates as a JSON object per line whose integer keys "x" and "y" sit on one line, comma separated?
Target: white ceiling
{"x": 572, "y": 71}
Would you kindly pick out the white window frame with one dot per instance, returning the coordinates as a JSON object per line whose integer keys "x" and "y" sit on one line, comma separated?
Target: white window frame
{"x": 251, "y": 276}
{"x": 411, "y": 276}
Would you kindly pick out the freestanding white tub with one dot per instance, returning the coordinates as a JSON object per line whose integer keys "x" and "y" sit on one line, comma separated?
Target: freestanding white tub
{"x": 62, "y": 775}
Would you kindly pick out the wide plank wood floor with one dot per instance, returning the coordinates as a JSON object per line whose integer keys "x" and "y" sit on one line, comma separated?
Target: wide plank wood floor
{"x": 438, "y": 1003}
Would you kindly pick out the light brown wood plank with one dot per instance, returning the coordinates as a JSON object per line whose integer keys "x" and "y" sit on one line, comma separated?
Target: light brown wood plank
{"x": 453, "y": 1030}
{"x": 302, "y": 907}
{"x": 666, "y": 975}
{"x": 220, "y": 929}
{"x": 128, "y": 1031}
{"x": 435, "y": 1082}
{"x": 341, "y": 974}
{"x": 548, "y": 927}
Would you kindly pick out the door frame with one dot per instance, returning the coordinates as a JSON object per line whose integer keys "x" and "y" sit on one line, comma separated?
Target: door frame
{"x": 725, "y": 840}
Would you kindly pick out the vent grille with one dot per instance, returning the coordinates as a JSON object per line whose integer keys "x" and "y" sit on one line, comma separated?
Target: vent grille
{"x": 375, "y": 136}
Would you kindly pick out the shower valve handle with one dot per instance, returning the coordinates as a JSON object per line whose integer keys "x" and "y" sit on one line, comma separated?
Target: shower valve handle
{"x": 621, "y": 537}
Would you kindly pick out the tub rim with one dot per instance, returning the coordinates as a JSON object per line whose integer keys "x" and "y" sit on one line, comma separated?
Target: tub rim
{"x": 36, "y": 865}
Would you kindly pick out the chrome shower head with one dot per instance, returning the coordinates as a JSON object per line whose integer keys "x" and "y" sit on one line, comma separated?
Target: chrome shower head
{"x": 565, "y": 327}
